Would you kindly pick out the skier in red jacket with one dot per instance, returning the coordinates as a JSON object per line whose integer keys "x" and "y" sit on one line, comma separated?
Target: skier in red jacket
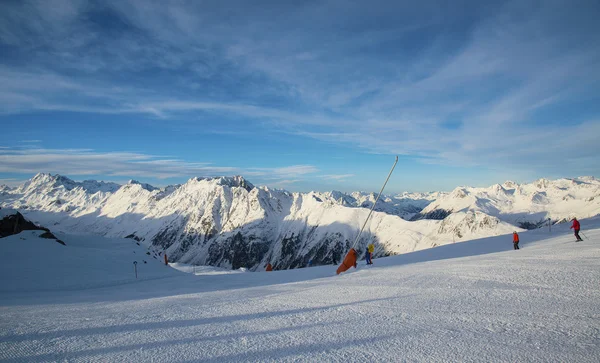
{"x": 515, "y": 240}
{"x": 575, "y": 226}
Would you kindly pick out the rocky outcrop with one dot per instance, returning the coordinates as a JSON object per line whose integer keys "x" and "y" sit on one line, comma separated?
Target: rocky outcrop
{"x": 437, "y": 214}
{"x": 13, "y": 222}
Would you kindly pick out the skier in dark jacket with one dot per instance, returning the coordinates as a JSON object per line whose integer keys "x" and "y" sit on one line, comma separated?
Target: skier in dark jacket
{"x": 576, "y": 226}
{"x": 515, "y": 240}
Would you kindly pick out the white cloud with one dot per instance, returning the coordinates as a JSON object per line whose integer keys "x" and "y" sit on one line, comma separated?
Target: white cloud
{"x": 338, "y": 177}
{"x": 82, "y": 162}
{"x": 350, "y": 87}
{"x": 296, "y": 170}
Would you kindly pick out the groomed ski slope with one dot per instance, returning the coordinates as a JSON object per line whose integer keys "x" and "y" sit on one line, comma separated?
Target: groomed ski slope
{"x": 472, "y": 301}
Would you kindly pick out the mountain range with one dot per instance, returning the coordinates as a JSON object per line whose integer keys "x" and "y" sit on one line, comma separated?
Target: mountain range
{"x": 229, "y": 222}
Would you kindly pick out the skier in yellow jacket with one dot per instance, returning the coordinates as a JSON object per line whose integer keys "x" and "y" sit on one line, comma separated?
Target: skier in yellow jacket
{"x": 369, "y": 254}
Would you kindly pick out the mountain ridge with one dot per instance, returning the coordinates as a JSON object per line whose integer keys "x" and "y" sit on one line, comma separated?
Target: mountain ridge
{"x": 229, "y": 222}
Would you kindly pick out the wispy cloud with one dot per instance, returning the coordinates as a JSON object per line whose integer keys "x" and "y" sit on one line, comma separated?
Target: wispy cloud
{"x": 445, "y": 84}
{"x": 81, "y": 162}
{"x": 296, "y": 170}
{"x": 338, "y": 177}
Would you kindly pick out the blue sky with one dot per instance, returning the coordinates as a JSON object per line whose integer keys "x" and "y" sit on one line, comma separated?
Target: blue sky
{"x": 301, "y": 95}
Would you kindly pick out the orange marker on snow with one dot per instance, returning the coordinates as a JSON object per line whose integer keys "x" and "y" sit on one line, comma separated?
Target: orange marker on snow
{"x": 349, "y": 261}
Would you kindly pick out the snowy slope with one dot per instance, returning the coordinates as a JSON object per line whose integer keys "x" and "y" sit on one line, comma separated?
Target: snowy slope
{"x": 473, "y": 301}
{"x": 525, "y": 205}
{"x": 228, "y": 222}
{"x": 37, "y": 264}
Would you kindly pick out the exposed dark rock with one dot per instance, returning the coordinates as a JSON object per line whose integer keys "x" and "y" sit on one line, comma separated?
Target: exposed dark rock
{"x": 49, "y": 235}
{"x": 437, "y": 214}
{"x": 532, "y": 225}
{"x": 246, "y": 251}
{"x": 208, "y": 229}
{"x": 239, "y": 251}
{"x": 328, "y": 252}
{"x": 168, "y": 236}
{"x": 134, "y": 237}
{"x": 16, "y": 223}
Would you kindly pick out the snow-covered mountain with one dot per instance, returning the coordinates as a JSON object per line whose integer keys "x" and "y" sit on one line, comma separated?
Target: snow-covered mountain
{"x": 228, "y": 222}
{"x": 524, "y": 205}
{"x": 405, "y": 205}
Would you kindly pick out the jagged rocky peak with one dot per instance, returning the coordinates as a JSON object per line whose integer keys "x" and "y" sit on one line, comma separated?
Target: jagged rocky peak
{"x": 497, "y": 188}
{"x": 459, "y": 192}
{"x": 55, "y": 180}
{"x": 231, "y": 181}
{"x": 239, "y": 181}
{"x": 342, "y": 198}
{"x": 542, "y": 183}
{"x": 509, "y": 184}
{"x": 95, "y": 185}
{"x": 145, "y": 186}
{"x": 337, "y": 194}
{"x": 45, "y": 180}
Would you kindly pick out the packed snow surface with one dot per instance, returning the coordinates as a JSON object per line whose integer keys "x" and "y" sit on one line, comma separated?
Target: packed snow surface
{"x": 472, "y": 301}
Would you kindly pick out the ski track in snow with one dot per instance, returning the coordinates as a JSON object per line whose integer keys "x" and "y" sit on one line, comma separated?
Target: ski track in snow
{"x": 493, "y": 304}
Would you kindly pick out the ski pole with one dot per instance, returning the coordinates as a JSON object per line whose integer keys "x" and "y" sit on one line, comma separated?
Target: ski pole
{"x": 373, "y": 207}
{"x": 586, "y": 237}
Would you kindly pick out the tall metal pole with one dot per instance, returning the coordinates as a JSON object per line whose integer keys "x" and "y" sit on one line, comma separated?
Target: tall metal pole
{"x": 373, "y": 207}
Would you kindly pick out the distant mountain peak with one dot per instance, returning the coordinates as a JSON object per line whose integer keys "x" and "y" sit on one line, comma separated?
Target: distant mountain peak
{"x": 45, "y": 177}
{"x": 145, "y": 186}
{"x": 212, "y": 221}
{"x": 497, "y": 188}
{"x": 509, "y": 184}
{"x": 542, "y": 183}
{"x": 45, "y": 180}
{"x": 459, "y": 192}
{"x": 237, "y": 181}
{"x": 55, "y": 180}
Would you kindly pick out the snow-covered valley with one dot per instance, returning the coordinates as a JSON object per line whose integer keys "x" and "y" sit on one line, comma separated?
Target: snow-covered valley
{"x": 473, "y": 301}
